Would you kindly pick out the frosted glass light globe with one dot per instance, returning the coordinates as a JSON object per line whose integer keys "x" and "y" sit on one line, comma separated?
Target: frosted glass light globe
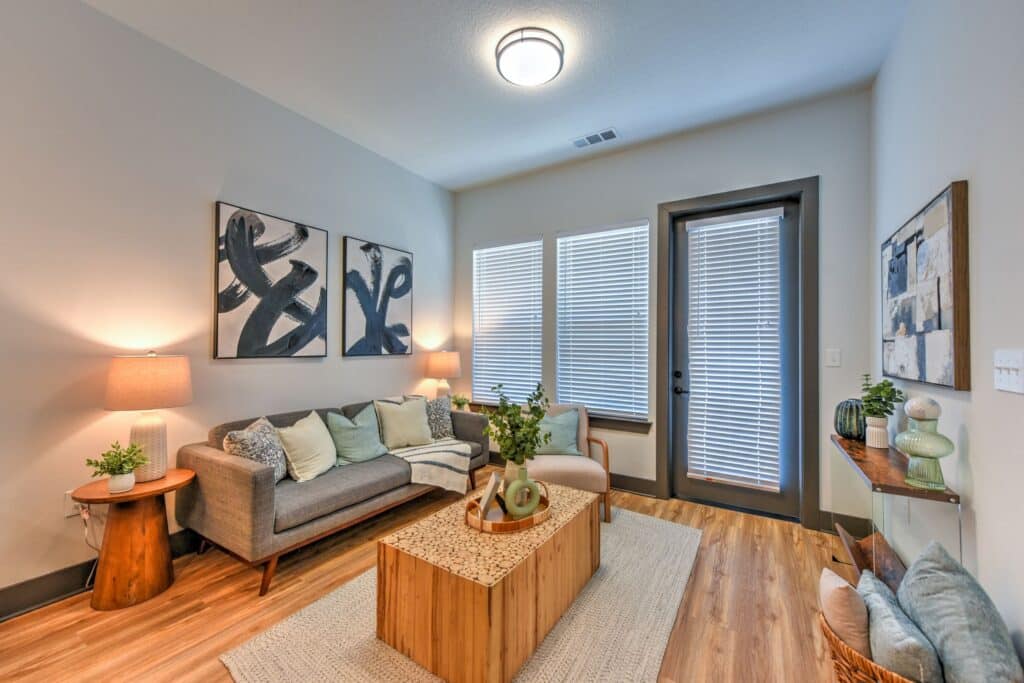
{"x": 529, "y": 56}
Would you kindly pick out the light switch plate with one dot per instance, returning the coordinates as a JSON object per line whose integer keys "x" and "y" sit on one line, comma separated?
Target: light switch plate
{"x": 1009, "y": 370}
{"x": 833, "y": 358}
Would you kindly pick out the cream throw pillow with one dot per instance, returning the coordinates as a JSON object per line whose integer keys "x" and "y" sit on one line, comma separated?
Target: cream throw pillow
{"x": 308, "y": 448}
{"x": 844, "y": 610}
{"x": 403, "y": 424}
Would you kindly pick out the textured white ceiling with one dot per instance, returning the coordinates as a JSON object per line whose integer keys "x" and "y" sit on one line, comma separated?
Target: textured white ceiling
{"x": 415, "y": 81}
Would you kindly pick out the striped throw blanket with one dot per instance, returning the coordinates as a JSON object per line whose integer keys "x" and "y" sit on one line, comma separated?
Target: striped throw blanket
{"x": 444, "y": 463}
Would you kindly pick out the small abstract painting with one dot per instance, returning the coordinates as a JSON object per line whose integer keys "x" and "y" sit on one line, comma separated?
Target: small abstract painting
{"x": 925, "y": 324}
{"x": 271, "y": 286}
{"x": 378, "y": 299}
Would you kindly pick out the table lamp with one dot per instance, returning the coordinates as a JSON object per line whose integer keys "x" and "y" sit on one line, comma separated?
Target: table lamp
{"x": 442, "y": 366}
{"x": 147, "y": 383}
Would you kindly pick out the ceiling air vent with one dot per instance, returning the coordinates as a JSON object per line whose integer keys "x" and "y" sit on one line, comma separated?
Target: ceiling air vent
{"x": 595, "y": 138}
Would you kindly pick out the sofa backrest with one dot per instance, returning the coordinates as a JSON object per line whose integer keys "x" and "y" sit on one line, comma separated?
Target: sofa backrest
{"x": 215, "y": 438}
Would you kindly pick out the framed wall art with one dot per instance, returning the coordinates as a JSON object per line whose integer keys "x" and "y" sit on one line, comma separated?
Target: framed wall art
{"x": 925, "y": 304}
{"x": 377, "y": 313}
{"x": 271, "y": 286}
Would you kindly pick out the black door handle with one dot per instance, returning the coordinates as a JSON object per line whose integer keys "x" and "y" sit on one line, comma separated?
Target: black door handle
{"x": 679, "y": 390}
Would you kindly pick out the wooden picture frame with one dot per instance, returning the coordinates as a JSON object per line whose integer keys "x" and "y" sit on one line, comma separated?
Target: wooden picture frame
{"x": 925, "y": 294}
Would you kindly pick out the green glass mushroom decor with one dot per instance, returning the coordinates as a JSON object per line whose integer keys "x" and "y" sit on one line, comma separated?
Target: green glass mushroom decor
{"x": 923, "y": 444}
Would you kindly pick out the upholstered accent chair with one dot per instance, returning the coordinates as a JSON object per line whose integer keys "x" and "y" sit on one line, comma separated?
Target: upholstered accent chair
{"x": 585, "y": 472}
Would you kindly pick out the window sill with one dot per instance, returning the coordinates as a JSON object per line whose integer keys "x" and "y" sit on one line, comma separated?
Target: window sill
{"x": 620, "y": 424}
{"x": 615, "y": 424}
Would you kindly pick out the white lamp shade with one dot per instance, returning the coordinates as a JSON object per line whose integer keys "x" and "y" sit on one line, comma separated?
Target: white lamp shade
{"x": 148, "y": 382}
{"x": 444, "y": 365}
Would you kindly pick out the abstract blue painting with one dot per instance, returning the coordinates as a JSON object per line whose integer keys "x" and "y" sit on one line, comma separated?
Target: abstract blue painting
{"x": 271, "y": 286}
{"x": 378, "y": 299}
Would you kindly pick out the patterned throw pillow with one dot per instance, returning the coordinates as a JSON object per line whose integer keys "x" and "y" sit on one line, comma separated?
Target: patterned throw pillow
{"x": 258, "y": 442}
{"x": 439, "y": 416}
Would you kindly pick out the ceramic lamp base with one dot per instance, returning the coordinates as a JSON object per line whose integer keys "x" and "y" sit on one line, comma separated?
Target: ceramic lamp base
{"x": 925, "y": 473}
{"x": 443, "y": 389}
{"x": 150, "y": 433}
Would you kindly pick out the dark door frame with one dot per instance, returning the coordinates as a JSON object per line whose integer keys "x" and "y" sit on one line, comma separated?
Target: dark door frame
{"x": 805, "y": 191}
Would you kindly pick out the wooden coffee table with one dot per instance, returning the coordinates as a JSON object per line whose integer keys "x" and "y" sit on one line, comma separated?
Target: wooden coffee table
{"x": 471, "y": 606}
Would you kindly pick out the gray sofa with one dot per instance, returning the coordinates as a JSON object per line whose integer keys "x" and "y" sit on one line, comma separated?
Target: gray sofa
{"x": 234, "y": 503}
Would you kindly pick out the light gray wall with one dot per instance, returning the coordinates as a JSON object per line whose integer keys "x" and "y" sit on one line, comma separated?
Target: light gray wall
{"x": 114, "y": 151}
{"x": 948, "y": 105}
{"x": 827, "y": 137}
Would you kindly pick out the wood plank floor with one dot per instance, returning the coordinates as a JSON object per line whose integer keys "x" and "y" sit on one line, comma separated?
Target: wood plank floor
{"x": 749, "y": 612}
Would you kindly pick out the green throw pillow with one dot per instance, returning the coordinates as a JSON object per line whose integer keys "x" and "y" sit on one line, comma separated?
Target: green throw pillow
{"x": 563, "y": 429}
{"x": 356, "y": 439}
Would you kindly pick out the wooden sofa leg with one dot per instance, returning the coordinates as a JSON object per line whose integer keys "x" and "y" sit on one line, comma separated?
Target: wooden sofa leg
{"x": 472, "y": 479}
{"x": 268, "y": 574}
{"x": 608, "y": 506}
{"x": 204, "y": 545}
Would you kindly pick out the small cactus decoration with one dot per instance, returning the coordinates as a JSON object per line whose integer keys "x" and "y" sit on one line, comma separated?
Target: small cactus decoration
{"x": 849, "y": 420}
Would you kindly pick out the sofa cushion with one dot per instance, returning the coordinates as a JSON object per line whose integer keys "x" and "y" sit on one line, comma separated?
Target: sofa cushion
{"x": 579, "y": 473}
{"x": 959, "y": 618}
{"x": 358, "y": 438}
{"x": 258, "y": 442}
{"x": 308, "y": 448}
{"x": 897, "y": 644}
{"x": 296, "y": 503}
{"x": 439, "y": 417}
{"x": 403, "y": 424}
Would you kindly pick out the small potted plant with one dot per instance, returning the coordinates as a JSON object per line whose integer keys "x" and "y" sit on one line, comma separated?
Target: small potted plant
{"x": 879, "y": 402}
{"x": 119, "y": 463}
{"x": 460, "y": 401}
{"x": 516, "y": 430}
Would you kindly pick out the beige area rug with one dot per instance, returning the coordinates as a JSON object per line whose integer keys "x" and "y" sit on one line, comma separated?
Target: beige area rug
{"x": 617, "y": 629}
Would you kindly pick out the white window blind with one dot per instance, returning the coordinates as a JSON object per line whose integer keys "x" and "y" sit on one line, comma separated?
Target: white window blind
{"x": 603, "y": 283}
{"x": 507, "y": 320}
{"x": 733, "y": 343}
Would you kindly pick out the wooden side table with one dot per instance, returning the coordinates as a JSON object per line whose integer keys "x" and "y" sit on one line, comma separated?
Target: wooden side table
{"x": 135, "y": 558}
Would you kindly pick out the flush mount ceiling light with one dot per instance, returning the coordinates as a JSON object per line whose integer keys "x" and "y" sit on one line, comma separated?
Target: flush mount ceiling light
{"x": 529, "y": 56}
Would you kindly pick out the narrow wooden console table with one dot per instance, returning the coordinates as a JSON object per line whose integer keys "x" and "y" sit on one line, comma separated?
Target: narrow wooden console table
{"x": 884, "y": 470}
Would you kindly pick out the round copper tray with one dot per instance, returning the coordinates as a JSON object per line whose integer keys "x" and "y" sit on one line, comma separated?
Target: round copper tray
{"x": 498, "y": 522}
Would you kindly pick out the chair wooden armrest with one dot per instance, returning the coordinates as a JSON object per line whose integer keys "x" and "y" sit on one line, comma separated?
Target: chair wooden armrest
{"x": 593, "y": 441}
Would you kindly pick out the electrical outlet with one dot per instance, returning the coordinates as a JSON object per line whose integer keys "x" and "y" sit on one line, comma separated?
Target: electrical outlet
{"x": 833, "y": 358}
{"x": 71, "y": 506}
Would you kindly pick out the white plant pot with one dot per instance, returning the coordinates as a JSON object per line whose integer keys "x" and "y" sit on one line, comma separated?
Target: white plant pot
{"x": 877, "y": 432}
{"x": 121, "y": 483}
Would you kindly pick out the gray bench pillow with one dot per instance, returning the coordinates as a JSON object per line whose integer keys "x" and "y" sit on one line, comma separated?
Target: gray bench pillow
{"x": 959, "y": 618}
{"x": 896, "y": 643}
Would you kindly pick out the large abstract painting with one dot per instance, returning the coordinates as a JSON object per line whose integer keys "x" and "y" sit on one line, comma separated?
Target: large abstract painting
{"x": 925, "y": 323}
{"x": 271, "y": 286}
{"x": 378, "y": 299}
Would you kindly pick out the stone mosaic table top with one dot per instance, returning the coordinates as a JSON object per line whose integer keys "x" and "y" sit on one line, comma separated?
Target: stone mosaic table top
{"x": 445, "y": 540}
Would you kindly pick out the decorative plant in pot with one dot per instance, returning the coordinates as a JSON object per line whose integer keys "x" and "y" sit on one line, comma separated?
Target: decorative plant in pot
{"x": 516, "y": 430}
{"x": 119, "y": 463}
{"x": 460, "y": 401}
{"x": 879, "y": 402}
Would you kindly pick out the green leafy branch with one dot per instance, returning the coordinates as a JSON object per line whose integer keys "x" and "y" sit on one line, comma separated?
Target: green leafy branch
{"x": 515, "y": 428}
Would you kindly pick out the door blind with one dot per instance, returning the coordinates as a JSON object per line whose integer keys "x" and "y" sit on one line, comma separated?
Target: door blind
{"x": 602, "y": 328}
{"x": 733, "y": 342}
{"x": 507, "y": 320}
